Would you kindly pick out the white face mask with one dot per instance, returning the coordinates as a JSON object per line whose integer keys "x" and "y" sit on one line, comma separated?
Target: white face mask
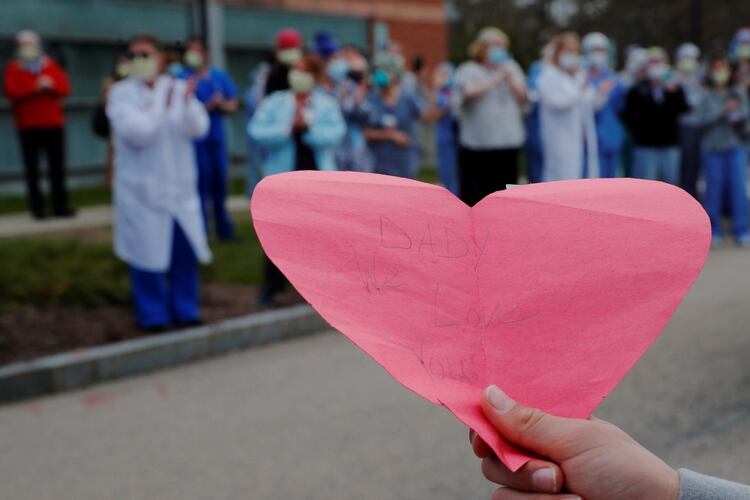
{"x": 599, "y": 60}
{"x": 301, "y": 82}
{"x": 193, "y": 59}
{"x": 657, "y": 72}
{"x": 28, "y": 52}
{"x": 122, "y": 70}
{"x": 569, "y": 61}
{"x": 289, "y": 57}
{"x": 144, "y": 68}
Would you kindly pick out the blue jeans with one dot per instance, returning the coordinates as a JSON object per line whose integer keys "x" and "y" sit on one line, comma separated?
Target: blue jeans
{"x": 213, "y": 183}
{"x": 164, "y": 298}
{"x": 690, "y": 153}
{"x": 657, "y": 164}
{"x": 726, "y": 176}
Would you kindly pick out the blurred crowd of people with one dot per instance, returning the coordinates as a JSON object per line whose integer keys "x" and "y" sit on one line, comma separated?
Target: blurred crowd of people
{"x": 329, "y": 106}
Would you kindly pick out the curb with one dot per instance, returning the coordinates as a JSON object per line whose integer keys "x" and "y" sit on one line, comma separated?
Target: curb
{"x": 81, "y": 368}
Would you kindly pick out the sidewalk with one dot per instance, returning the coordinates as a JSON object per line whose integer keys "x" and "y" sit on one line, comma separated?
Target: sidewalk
{"x": 16, "y": 225}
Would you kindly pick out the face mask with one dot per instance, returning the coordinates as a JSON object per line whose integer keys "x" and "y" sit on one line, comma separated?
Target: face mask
{"x": 688, "y": 66}
{"x": 337, "y": 70}
{"x": 498, "y": 55}
{"x": 28, "y": 52}
{"x": 381, "y": 79}
{"x": 599, "y": 60}
{"x": 122, "y": 70}
{"x": 449, "y": 82}
{"x": 569, "y": 61}
{"x": 193, "y": 59}
{"x": 301, "y": 82}
{"x": 289, "y": 57}
{"x": 355, "y": 75}
{"x": 175, "y": 69}
{"x": 144, "y": 68}
{"x": 657, "y": 72}
{"x": 743, "y": 51}
{"x": 720, "y": 77}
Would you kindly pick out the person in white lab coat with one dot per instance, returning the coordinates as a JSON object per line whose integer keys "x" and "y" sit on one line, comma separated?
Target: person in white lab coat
{"x": 158, "y": 227}
{"x": 567, "y": 102}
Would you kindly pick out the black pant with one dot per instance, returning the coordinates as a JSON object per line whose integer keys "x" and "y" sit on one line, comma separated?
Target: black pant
{"x": 483, "y": 171}
{"x": 51, "y": 141}
{"x": 274, "y": 281}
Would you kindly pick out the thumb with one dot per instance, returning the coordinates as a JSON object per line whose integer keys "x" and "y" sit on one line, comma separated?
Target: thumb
{"x": 547, "y": 435}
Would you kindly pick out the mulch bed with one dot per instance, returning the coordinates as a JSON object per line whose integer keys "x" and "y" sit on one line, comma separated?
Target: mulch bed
{"x": 32, "y": 332}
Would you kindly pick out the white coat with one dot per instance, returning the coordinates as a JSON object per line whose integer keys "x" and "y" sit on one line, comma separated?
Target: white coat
{"x": 155, "y": 171}
{"x": 567, "y": 123}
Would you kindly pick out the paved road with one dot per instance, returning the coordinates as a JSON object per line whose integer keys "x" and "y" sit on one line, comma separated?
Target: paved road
{"x": 316, "y": 419}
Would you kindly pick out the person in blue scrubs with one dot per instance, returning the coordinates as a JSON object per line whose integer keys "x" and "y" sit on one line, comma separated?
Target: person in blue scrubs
{"x": 445, "y": 126}
{"x": 610, "y": 100}
{"x": 216, "y": 90}
{"x": 393, "y": 115}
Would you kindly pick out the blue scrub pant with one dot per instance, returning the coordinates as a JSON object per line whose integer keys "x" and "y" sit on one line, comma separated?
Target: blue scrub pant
{"x": 534, "y": 161}
{"x": 213, "y": 182}
{"x": 657, "y": 164}
{"x": 447, "y": 159}
{"x": 609, "y": 163}
{"x": 726, "y": 175}
{"x": 171, "y": 297}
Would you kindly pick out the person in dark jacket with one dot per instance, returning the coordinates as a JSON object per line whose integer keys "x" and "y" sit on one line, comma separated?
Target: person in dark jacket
{"x": 288, "y": 53}
{"x": 35, "y": 86}
{"x": 652, "y": 111}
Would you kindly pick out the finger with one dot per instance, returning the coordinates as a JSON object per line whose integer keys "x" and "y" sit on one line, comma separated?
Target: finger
{"x": 537, "y": 476}
{"x": 511, "y": 494}
{"x": 540, "y": 432}
{"x": 481, "y": 448}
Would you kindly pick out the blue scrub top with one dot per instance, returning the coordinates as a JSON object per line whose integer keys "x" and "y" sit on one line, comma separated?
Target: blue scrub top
{"x": 216, "y": 81}
{"x": 445, "y": 128}
{"x": 609, "y": 129}
{"x": 389, "y": 158}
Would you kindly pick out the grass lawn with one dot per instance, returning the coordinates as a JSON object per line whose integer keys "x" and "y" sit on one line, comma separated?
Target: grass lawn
{"x": 101, "y": 195}
{"x": 81, "y": 269}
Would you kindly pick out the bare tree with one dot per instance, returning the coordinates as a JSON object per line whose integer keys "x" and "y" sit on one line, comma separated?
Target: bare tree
{"x": 667, "y": 23}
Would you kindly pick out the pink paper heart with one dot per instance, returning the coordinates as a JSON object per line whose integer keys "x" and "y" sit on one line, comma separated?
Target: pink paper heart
{"x": 551, "y": 291}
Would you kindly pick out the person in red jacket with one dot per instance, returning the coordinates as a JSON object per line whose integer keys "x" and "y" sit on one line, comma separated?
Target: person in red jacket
{"x": 35, "y": 85}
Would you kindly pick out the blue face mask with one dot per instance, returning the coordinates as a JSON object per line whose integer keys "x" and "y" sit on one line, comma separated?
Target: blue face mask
{"x": 337, "y": 70}
{"x": 498, "y": 55}
{"x": 381, "y": 79}
{"x": 174, "y": 69}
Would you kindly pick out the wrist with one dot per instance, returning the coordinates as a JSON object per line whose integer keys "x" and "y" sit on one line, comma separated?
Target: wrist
{"x": 669, "y": 489}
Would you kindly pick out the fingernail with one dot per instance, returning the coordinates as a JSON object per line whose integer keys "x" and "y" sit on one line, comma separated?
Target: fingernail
{"x": 498, "y": 399}
{"x": 544, "y": 479}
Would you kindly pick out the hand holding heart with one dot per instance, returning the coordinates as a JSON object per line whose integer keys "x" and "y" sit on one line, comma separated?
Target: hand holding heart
{"x": 551, "y": 291}
{"x": 590, "y": 459}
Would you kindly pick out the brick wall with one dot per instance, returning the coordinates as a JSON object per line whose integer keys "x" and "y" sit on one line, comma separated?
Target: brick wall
{"x": 420, "y": 25}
